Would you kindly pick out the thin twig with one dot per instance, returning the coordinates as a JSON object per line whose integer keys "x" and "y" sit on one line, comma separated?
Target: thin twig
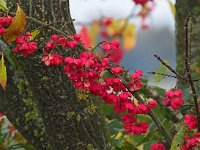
{"x": 162, "y": 74}
{"x": 188, "y": 71}
{"x": 154, "y": 117}
{"x": 168, "y": 67}
{"x": 157, "y": 121}
{"x": 171, "y": 76}
{"x": 196, "y": 80}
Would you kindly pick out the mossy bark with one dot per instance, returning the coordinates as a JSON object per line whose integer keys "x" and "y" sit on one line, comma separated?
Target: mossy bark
{"x": 40, "y": 101}
{"x": 184, "y": 8}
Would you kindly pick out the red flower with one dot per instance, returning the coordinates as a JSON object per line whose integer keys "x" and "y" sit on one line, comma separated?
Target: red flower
{"x": 157, "y": 146}
{"x": 50, "y": 45}
{"x": 174, "y": 98}
{"x": 128, "y": 119}
{"x": 52, "y": 59}
{"x": 140, "y": 2}
{"x": 85, "y": 73}
{"x": 136, "y": 128}
{"x": 114, "y": 44}
{"x": 110, "y": 45}
{"x": 191, "y": 121}
{"x": 117, "y": 70}
{"x": 1, "y": 115}
{"x": 191, "y": 142}
{"x": 106, "y": 46}
{"x": 2, "y": 31}
{"x": 107, "y": 21}
{"x": 136, "y": 83}
{"x": 143, "y": 109}
{"x": 152, "y": 104}
{"x": 5, "y": 22}
{"x": 24, "y": 46}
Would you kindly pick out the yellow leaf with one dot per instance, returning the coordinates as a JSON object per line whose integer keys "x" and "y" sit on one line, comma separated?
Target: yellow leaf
{"x": 3, "y": 74}
{"x": 129, "y": 37}
{"x": 173, "y": 8}
{"x": 17, "y": 26}
{"x": 116, "y": 27}
{"x": 3, "y": 6}
{"x": 122, "y": 24}
{"x": 17, "y": 137}
{"x": 135, "y": 101}
{"x": 112, "y": 28}
{"x": 34, "y": 34}
{"x": 119, "y": 135}
{"x": 94, "y": 30}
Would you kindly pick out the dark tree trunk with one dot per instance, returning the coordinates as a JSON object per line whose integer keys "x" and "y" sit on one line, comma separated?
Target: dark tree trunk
{"x": 184, "y": 8}
{"x": 40, "y": 101}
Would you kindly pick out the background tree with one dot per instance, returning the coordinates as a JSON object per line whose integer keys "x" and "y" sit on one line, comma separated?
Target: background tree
{"x": 184, "y": 9}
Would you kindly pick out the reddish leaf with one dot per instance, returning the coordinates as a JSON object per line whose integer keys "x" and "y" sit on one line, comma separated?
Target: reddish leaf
{"x": 85, "y": 37}
{"x": 17, "y": 26}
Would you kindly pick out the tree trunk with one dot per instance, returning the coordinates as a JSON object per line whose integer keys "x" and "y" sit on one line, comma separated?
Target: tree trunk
{"x": 40, "y": 101}
{"x": 184, "y": 8}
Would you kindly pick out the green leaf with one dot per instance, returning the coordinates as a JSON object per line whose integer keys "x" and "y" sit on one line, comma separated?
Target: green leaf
{"x": 128, "y": 146}
{"x": 114, "y": 126}
{"x": 107, "y": 74}
{"x": 162, "y": 69}
{"x": 178, "y": 139}
{"x": 148, "y": 144}
{"x": 143, "y": 118}
{"x": 34, "y": 34}
{"x": 3, "y": 74}
{"x": 3, "y": 6}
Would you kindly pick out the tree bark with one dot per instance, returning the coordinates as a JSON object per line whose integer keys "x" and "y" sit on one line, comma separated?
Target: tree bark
{"x": 40, "y": 101}
{"x": 184, "y": 8}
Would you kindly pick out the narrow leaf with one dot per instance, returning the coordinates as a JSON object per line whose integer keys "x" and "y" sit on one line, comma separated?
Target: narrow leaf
{"x": 3, "y": 6}
{"x": 162, "y": 69}
{"x": 17, "y": 26}
{"x": 85, "y": 37}
{"x": 178, "y": 140}
{"x": 3, "y": 74}
{"x": 173, "y": 8}
{"x": 34, "y": 34}
{"x": 112, "y": 28}
{"x": 116, "y": 27}
{"x": 129, "y": 37}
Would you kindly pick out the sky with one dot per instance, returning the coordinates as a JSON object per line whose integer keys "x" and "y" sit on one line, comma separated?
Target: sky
{"x": 158, "y": 39}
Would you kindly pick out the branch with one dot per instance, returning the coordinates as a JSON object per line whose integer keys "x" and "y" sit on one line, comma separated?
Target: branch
{"x": 162, "y": 74}
{"x": 38, "y": 22}
{"x": 154, "y": 117}
{"x": 156, "y": 120}
{"x": 169, "y": 67}
{"x": 188, "y": 71}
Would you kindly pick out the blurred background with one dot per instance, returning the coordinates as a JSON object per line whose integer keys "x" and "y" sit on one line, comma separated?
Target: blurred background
{"x": 152, "y": 31}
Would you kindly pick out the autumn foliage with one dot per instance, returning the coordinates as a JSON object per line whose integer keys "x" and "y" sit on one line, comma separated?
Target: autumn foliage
{"x": 88, "y": 71}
